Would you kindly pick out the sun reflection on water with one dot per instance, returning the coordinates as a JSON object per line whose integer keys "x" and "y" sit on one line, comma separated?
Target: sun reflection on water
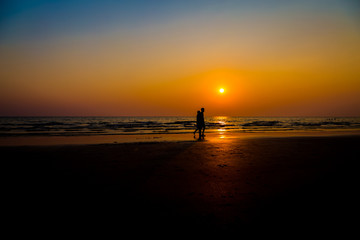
{"x": 221, "y": 132}
{"x": 221, "y": 121}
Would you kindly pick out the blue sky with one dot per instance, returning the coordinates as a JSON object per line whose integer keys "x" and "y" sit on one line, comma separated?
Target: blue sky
{"x": 37, "y": 19}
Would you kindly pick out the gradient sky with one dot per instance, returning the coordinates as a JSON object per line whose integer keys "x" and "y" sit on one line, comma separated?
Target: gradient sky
{"x": 150, "y": 58}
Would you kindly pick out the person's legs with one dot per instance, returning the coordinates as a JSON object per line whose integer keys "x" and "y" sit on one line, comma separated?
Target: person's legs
{"x": 195, "y": 132}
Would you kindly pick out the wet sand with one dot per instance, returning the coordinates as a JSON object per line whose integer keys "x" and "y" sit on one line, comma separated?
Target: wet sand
{"x": 228, "y": 185}
{"x": 219, "y": 135}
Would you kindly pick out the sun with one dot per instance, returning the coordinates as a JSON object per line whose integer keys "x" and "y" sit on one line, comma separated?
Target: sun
{"x": 221, "y": 90}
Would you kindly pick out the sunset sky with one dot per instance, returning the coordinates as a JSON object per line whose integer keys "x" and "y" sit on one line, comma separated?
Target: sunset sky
{"x": 170, "y": 58}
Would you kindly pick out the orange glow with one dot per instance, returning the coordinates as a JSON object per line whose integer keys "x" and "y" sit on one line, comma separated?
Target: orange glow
{"x": 260, "y": 65}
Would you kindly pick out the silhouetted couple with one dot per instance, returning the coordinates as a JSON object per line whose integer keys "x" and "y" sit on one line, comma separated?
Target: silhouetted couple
{"x": 200, "y": 124}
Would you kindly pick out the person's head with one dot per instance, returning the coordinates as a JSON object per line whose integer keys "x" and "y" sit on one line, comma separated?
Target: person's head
{"x": 202, "y": 109}
{"x": 198, "y": 112}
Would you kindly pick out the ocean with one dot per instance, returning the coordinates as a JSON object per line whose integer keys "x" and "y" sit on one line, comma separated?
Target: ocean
{"x": 86, "y": 126}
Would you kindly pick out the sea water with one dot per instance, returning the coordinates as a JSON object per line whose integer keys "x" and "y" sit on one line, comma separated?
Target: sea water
{"x": 86, "y": 126}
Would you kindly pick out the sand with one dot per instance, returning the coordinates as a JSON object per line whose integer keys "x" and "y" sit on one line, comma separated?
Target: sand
{"x": 229, "y": 185}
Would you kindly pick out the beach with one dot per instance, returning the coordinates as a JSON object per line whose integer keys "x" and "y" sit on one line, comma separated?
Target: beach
{"x": 213, "y": 185}
{"x": 102, "y": 104}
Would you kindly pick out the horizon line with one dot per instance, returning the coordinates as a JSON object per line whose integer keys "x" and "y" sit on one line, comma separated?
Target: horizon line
{"x": 108, "y": 116}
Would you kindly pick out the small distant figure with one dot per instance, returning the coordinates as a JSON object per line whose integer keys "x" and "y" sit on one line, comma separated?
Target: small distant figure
{"x": 200, "y": 124}
{"x": 198, "y": 128}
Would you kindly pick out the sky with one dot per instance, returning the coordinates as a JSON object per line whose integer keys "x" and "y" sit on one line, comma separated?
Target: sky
{"x": 170, "y": 58}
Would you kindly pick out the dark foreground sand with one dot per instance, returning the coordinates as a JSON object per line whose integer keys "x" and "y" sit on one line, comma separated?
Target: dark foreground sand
{"x": 279, "y": 183}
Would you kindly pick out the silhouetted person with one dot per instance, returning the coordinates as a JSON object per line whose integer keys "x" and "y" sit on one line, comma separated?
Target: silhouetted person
{"x": 202, "y": 124}
{"x": 198, "y": 125}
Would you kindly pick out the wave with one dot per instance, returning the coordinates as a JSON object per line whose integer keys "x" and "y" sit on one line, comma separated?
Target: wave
{"x": 66, "y": 126}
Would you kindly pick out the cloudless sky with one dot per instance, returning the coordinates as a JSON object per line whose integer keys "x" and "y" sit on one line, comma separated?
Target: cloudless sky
{"x": 151, "y": 58}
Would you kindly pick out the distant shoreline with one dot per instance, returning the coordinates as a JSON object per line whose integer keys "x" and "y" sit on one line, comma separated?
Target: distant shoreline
{"x": 99, "y": 130}
{"x": 216, "y": 136}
